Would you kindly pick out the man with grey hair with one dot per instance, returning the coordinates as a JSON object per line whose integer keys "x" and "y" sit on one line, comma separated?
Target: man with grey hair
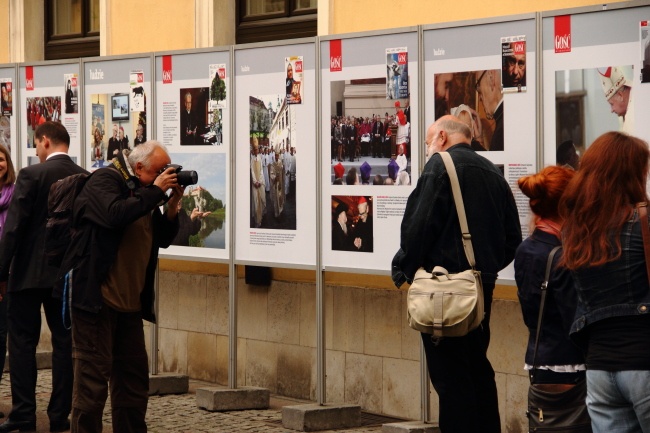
{"x": 111, "y": 264}
{"x": 431, "y": 236}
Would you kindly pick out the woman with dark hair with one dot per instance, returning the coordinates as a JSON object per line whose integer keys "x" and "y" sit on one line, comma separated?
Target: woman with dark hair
{"x": 558, "y": 360}
{"x": 603, "y": 248}
{"x": 7, "y": 181}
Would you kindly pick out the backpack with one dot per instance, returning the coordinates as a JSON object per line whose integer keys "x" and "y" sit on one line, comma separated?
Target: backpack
{"x": 58, "y": 229}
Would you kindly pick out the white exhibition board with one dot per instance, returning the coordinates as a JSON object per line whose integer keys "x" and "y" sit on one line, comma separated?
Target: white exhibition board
{"x": 9, "y": 111}
{"x": 275, "y": 113}
{"x": 193, "y": 120}
{"x": 117, "y": 98}
{"x": 581, "y": 64}
{"x": 49, "y": 92}
{"x": 503, "y": 118}
{"x": 365, "y": 77}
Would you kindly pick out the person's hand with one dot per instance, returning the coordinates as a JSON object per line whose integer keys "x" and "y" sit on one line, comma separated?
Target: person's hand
{"x": 357, "y": 243}
{"x": 167, "y": 179}
{"x": 174, "y": 199}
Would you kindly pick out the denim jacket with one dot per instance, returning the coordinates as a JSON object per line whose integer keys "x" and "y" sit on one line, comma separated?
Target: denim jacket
{"x": 555, "y": 347}
{"x": 617, "y": 288}
{"x": 430, "y": 231}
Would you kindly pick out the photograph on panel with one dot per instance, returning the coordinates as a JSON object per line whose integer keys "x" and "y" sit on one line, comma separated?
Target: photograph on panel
{"x": 644, "y": 30}
{"x": 5, "y": 114}
{"x": 196, "y": 119}
{"x": 370, "y": 134}
{"x": 273, "y": 149}
{"x": 352, "y": 223}
{"x": 202, "y": 210}
{"x": 114, "y": 127}
{"x": 7, "y": 99}
{"x": 476, "y": 98}
{"x": 588, "y": 103}
{"x": 397, "y": 73}
{"x": 71, "y": 94}
{"x": 513, "y": 64}
{"x": 41, "y": 109}
{"x": 294, "y": 79}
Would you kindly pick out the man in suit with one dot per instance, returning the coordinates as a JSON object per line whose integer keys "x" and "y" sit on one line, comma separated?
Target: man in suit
{"x": 190, "y": 128}
{"x": 377, "y": 137}
{"x": 30, "y": 282}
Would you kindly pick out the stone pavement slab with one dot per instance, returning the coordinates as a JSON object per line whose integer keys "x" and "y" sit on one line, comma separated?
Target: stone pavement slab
{"x": 179, "y": 413}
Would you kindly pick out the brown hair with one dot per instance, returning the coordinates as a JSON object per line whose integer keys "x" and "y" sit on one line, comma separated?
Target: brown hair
{"x": 601, "y": 197}
{"x": 545, "y": 189}
{"x": 55, "y": 131}
{"x": 10, "y": 176}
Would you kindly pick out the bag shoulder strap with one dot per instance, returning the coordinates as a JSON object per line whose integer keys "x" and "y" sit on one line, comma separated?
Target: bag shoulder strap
{"x": 460, "y": 207}
{"x": 645, "y": 231}
{"x": 542, "y": 302}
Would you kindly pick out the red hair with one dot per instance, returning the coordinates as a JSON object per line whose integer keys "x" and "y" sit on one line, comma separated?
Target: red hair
{"x": 601, "y": 197}
{"x": 545, "y": 189}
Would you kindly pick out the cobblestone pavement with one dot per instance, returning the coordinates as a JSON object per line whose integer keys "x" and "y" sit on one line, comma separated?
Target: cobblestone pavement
{"x": 179, "y": 413}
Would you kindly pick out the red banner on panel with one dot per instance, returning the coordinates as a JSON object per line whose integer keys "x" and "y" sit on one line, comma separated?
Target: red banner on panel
{"x": 29, "y": 78}
{"x": 167, "y": 69}
{"x": 336, "y": 56}
{"x": 563, "y": 34}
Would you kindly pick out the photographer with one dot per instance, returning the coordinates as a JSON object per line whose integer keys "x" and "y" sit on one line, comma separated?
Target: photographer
{"x": 112, "y": 260}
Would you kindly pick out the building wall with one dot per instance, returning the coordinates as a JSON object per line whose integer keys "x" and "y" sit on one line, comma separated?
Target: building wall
{"x": 372, "y": 356}
{"x": 345, "y": 16}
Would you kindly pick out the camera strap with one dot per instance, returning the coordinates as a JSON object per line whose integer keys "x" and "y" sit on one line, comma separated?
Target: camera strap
{"x": 119, "y": 162}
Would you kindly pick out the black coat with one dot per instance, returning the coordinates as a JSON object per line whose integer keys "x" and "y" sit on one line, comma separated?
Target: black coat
{"x": 23, "y": 243}
{"x": 102, "y": 211}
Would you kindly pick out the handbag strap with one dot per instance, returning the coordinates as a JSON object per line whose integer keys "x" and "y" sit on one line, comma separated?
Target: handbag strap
{"x": 460, "y": 207}
{"x": 645, "y": 231}
{"x": 542, "y": 302}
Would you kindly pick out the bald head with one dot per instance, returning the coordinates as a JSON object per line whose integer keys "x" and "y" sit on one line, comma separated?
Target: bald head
{"x": 446, "y": 132}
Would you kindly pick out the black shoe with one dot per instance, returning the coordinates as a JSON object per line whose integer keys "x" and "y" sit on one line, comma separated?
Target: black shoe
{"x": 10, "y": 425}
{"x": 60, "y": 426}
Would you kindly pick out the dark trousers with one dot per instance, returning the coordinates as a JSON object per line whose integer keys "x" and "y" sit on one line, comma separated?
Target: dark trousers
{"x": 24, "y": 324}
{"x": 3, "y": 335}
{"x": 109, "y": 350}
{"x": 464, "y": 379}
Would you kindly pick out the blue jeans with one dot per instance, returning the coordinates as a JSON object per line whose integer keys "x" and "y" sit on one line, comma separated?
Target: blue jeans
{"x": 619, "y": 401}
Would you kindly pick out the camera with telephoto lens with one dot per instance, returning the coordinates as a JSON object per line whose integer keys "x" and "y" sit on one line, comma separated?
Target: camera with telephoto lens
{"x": 185, "y": 177}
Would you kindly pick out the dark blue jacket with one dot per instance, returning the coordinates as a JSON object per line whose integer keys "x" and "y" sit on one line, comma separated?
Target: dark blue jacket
{"x": 430, "y": 232}
{"x": 617, "y": 288}
{"x": 555, "y": 346}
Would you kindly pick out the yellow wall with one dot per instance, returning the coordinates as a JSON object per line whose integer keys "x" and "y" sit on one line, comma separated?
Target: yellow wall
{"x": 4, "y": 32}
{"x": 347, "y": 16}
{"x": 149, "y": 25}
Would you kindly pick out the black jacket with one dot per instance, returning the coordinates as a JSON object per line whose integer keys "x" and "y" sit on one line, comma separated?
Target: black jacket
{"x": 103, "y": 209}
{"x": 23, "y": 243}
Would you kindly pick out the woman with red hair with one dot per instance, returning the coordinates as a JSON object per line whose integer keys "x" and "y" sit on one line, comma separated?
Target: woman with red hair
{"x": 558, "y": 360}
{"x": 603, "y": 248}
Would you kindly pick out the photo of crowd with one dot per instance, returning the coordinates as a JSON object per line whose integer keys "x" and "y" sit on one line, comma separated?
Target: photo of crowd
{"x": 371, "y": 138}
{"x": 476, "y": 98}
{"x": 352, "y": 223}
{"x": 272, "y": 162}
{"x": 40, "y": 109}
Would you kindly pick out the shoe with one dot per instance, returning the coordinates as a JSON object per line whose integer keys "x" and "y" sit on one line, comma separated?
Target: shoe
{"x": 10, "y": 425}
{"x": 60, "y": 426}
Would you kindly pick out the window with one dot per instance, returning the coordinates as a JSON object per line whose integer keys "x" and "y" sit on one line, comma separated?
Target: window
{"x": 269, "y": 20}
{"x": 71, "y": 29}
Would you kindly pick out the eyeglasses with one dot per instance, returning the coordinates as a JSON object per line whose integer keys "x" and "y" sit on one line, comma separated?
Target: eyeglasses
{"x": 478, "y": 82}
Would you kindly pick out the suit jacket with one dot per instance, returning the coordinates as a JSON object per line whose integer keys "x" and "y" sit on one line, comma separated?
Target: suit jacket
{"x": 22, "y": 258}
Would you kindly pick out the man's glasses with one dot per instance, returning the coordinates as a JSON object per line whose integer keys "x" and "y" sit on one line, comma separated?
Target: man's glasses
{"x": 478, "y": 82}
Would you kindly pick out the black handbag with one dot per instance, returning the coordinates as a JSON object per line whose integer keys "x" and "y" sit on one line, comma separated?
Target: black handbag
{"x": 555, "y": 407}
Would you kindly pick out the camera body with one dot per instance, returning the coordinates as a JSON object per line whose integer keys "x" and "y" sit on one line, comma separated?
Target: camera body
{"x": 185, "y": 177}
